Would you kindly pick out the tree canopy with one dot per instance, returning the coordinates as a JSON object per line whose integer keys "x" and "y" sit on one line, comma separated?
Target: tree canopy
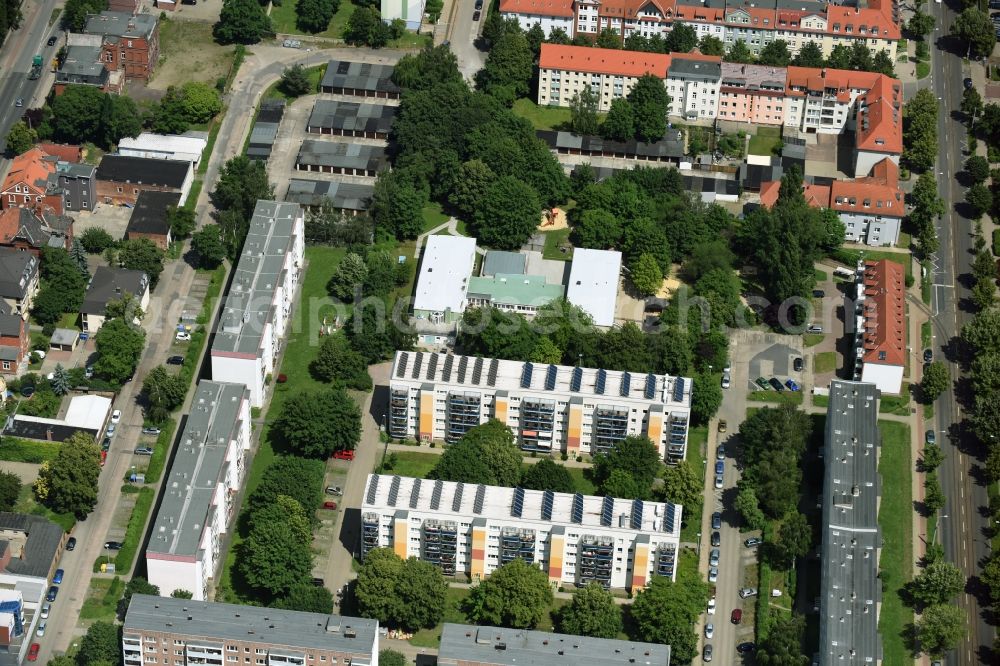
{"x": 314, "y": 424}
{"x": 68, "y": 483}
{"x": 410, "y": 593}
{"x": 485, "y": 454}
{"x": 241, "y": 22}
{"x": 592, "y": 612}
{"x": 515, "y": 595}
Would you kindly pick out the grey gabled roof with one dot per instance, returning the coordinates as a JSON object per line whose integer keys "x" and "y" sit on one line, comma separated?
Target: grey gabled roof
{"x": 10, "y": 325}
{"x": 352, "y": 116}
{"x": 360, "y": 76}
{"x": 850, "y": 588}
{"x": 506, "y": 263}
{"x": 109, "y": 284}
{"x": 40, "y": 548}
{"x": 340, "y": 195}
{"x": 143, "y": 170}
{"x": 17, "y": 269}
{"x": 342, "y": 155}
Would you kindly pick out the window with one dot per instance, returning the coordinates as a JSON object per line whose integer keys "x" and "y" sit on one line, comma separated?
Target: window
{"x": 129, "y": 43}
{"x": 119, "y": 190}
{"x": 6, "y": 365}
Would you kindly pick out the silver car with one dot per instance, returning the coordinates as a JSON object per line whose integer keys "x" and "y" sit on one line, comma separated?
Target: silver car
{"x": 713, "y": 558}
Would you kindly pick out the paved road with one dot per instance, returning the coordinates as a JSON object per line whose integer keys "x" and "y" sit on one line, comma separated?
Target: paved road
{"x": 463, "y": 33}
{"x": 961, "y": 522}
{"x": 15, "y": 63}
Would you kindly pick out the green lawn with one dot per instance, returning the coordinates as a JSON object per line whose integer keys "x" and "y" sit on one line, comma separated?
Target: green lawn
{"x": 102, "y": 599}
{"x": 314, "y": 74}
{"x": 69, "y": 320}
{"x": 825, "y": 362}
{"x": 553, "y": 241}
{"x": 283, "y": 20}
{"x": 896, "y": 404}
{"x": 696, "y": 457}
{"x": 895, "y": 467}
{"x": 923, "y": 69}
{"x": 411, "y": 463}
{"x": 13, "y": 449}
{"x": 765, "y": 140}
{"x": 821, "y": 401}
{"x": 433, "y": 216}
{"x": 926, "y": 336}
{"x": 582, "y": 480}
{"x": 133, "y": 533}
{"x": 812, "y": 339}
{"x": 851, "y": 257}
{"x": 785, "y": 397}
{"x": 542, "y": 117}
{"x": 820, "y": 276}
{"x": 26, "y": 503}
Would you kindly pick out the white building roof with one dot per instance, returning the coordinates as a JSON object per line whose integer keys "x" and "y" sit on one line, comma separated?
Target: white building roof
{"x": 87, "y": 411}
{"x": 593, "y": 283}
{"x": 167, "y": 143}
{"x": 444, "y": 273}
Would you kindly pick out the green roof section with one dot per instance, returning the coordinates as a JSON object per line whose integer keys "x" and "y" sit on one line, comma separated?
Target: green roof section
{"x": 515, "y": 289}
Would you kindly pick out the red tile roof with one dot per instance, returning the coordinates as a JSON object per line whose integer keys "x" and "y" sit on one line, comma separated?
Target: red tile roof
{"x": 884, "y": 313}
{"x": 561, "y": 8}
{"x": 877, "y": 194}
{"x": 65, "y": 152}
{"x": 603, "y": 61}
{"x": 31, "y": 168}
{"x": 880, "y": 117}
{"x": 874, "y": 22}
{"x": 817, "y": 196}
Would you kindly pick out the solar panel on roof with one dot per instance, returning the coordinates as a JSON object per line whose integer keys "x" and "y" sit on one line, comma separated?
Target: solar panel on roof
{"x": 491, "y": 377}
{"x": 517, "y": 503}
{"x": 456, "y": 501}
{"x": 679, "y": 389}
{"x": 626, "y": 384}
{"x": 446, "y": 370}
{"x": 650, "y": 386}
{"x": 432, "y": 365}
{"x": 607, "y": 511}
{"x": 601, "y": 382}
{"x": 480, "y": 499}
{"x": 401, "y": 368}
{"x": 636, "y": 521}
{"x": 477, "y": 370}
{"x": 526, "y": 375}
{"x": 548, "y": 500}
{"x": 394, "y": 490}
{"x": 463, "y": 365}
{"x": 577, "y": 515}
{"x": 436, "y": 495}
{"x": 577, "y": 380}
{"x": 372, "y": 490}
{"x": 415, "y": 494}
{"x": 669, "y": 517}
{"x": 550, "y": 378}
{"x": 417, "y": 362}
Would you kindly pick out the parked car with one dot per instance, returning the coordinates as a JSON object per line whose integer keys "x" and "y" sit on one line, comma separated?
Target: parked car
{"x": 329, "y": 505}
{"x": 33, "y": 652}
{"x": 706, "y": 654}
{"x": 753, "y": 542}
{"x": 726, "y": 380}
{"x": 776, "y": 384}
{"x": 720, "y": 467}
{"x": 720, "y": 453}
{"x": 479, "y": 4}
{"x": 716, "y": 538}
{"x": 797, "y": 364}
{"x": 818, "y": 293}
{"x": 930, "y": 437}
{"x": 150, "y": 430}
{"x": 113, "y": 545}
{"x": 709, "y": 630}
{"x": 736, "y": 616}
{"x": 318, "y": 582}
{"x": 748, "y": 592}
{"x": 182, "y": 336}
{"x": 343, "y": 455}
{"x": 746, "y": 648}
{"x": 967, "y": 83}
{"x": 718, "y": 482}
{"x": 106, "y": 444}
{"x": 104, "y": 457}
{"x": 19, "y": 102}
{"x": 116, "y": 416}
{"x": 143, "y": 451}
{"x": 713, "y": 557}
{"x": 111, "y": 429}
{"x": 763, "y": 383}
{"x": 46, "y": 608}
{"x": 723, "y": 425}
{"x": 71, "y": 544}
{"x": 175, "y": 360}
{"x": 815, "y": 328}
{"x": 57, "y": 577}
{"x": 41, "y": 630}
{"x": 476, "y": 15}
{"x": 52, "y": 40}
{"x": 713, "y": 576}
{"x": 717, "y": 521}
{"x": 52, "y": 594}
{"x": 711, "y": 606}
{"x": 928, "y": 355}
{"x": 334, "y": 490}
{"x": 792, "y": 386}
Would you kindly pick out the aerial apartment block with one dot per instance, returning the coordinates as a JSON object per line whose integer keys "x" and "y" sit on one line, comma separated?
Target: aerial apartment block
{"x": 256, "y": 312}
{"x": 879, "y": 311}
{"x": 201, "y": 489}
{"x": 470, "y": 530}
{"x": 756, "y": 24}
{"x": 468, "y": 645}
{"x": 850, "y": 587}
{"x": 549, "y": 408}
{"x": 162, "y": 631}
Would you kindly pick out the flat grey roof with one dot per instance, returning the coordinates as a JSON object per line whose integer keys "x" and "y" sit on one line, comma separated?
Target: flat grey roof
{"x": 340, "y": 154}
{"x": 697, "y": 69}
{"x": 248, "y": 304}
{"x": 354, "y": 637}
{"x": 199, "y": 465}
{"x": 64, "y": 336}
{"x": 359, "y": 75}
{"x": 352, "y": 116}
{"x": 347, "y": 196}
{"x": 506, "y": 263}
{"x": 121, "y": 24}
{"x": 109, "y": 284}
{"x": 850, "y": 588}
{"x": 83, "y": 61}
{"x": 465, "y": 644}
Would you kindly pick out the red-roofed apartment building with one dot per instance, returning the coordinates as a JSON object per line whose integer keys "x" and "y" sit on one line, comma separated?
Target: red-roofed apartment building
{"x": 757, "y": 24}
{"x": 871, "y": 208}
{"x": 880, "y": 325}
{"x": 563, "y": 71}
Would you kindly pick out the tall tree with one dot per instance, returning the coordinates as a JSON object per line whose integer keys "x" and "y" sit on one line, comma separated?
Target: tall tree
{"x": 939, "y": 629}
{"x": 272, "y": 559}
{"x": 775, "y": 54}
{"x": 119, "y": 346}
{"x": 974, "y": 28}
{"x": 315, "y": 15}
{"x": 637, "y": 457}
{"x": 583, "y": 111}
{"x": 298, "y": 478}
{"x": 242, "y": 182}
{"x": 711, "y": 45}
{"x": 592, "y": 612}
{"x": 397, "y": 205}
{"x": 314, "y": 424}
{"x": 666, "y": 611}
{"x": 100, "y": 645}
{"x": 68, "y": 483}
{"x": 508, "y": 214}
{"x": 142, "y": 254}
{"x": 307, "y": 599}
{"x": 739, "y": 52}
{"x": 21, "y": 138}
{"x": 783, "y": 645}
{"x": 681, "y": 38}
{"x": 608, "y": 38}
{"x": 810, "y": 55}
{"x": 547, "y": 474}
{"x": 337, "y": 363}
{"x": 619, "y": 125}
{"x": 650, "y": 101}
{"x": 207, "y": 243}
{"x": 508, "y": 69}
{"x": 939, "y": 583}
{"x": 515, "y": 595}
{"x": 241, "y": 22}
{"x": 681, "y": 484}
{"x": 10, "y": 488}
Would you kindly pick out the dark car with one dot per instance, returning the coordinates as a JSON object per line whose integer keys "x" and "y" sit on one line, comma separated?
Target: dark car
{"x": 776, "y": 384}
{"x": 175, "y": 360}
{"x": 737, "y": 616}
{"x": 106, "y": 444}
{"x": 967, "y": 83}
{"x": 716, "y": 539}
{"x": 27, "y": 391}
{"x": 113, "y": 545}
{"x": 706, "y": 654}
{"x": 797, "y": 364}
{"x": 71, "y": 544}
{"x": 479, "y": 4}
{"x": 746, "y": 648}
{"x": 818, "y": 293}
{"x": 716, "y": 521}
{"x": 319, "y": 582}
{"x": 52, "y": 40}
{"x": 52, "y": 593}
{"x": 792, "y": 386}
{"x": 928, "y": 355}
{"x": 761, "y": 382}
{"x": 476, "y": 15}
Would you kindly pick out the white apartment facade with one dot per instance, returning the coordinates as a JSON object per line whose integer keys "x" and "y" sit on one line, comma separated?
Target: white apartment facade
{"x": 693, "y": 85}
{"x": 257, "y": 309}
{"x": 471, "y": 530}
{"x": 549, "y": 14}
{"x": 565, "y": 71}
{"x": 549, "y": 408}
{"x": 199, "y": 498}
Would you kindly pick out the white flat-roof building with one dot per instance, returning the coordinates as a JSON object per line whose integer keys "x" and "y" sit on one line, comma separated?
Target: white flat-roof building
{"x": 201, "y": 489}
{"x": 443, "y": 283}
{"x": 164, "y": 147}
{"x": 471, "y": 530}
{"x": 256, "y": 312}
{"x": 593, "y": 283}
{"x": 549, "y": 408}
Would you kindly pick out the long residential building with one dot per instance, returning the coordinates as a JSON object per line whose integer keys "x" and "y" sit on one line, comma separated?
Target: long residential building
{"x": 470, "y": 530}
{"x": 162, "y": 631}
{"x": 199, "y": 497}
{"x": 758, "y": 24}
{"x": 850, "y": 586}
{"x": 256, "y": 312}
{"x": 879, "y": 311}
{"x": 468, "y": 645}
{"x": 549, "y": 408}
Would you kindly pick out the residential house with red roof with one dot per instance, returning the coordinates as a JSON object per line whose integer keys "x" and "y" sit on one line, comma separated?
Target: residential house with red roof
{"x": 32, "y": 182}
{"x": 30, "y": 230}
{"x": 878, "y": 125}
{"x": 880, "y": 324}
{"x": 563, "y": 71}
{"x": 550, "y": 14}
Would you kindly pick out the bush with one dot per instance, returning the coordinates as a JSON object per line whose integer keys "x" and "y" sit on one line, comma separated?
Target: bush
{"x": 996, "y": 242}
